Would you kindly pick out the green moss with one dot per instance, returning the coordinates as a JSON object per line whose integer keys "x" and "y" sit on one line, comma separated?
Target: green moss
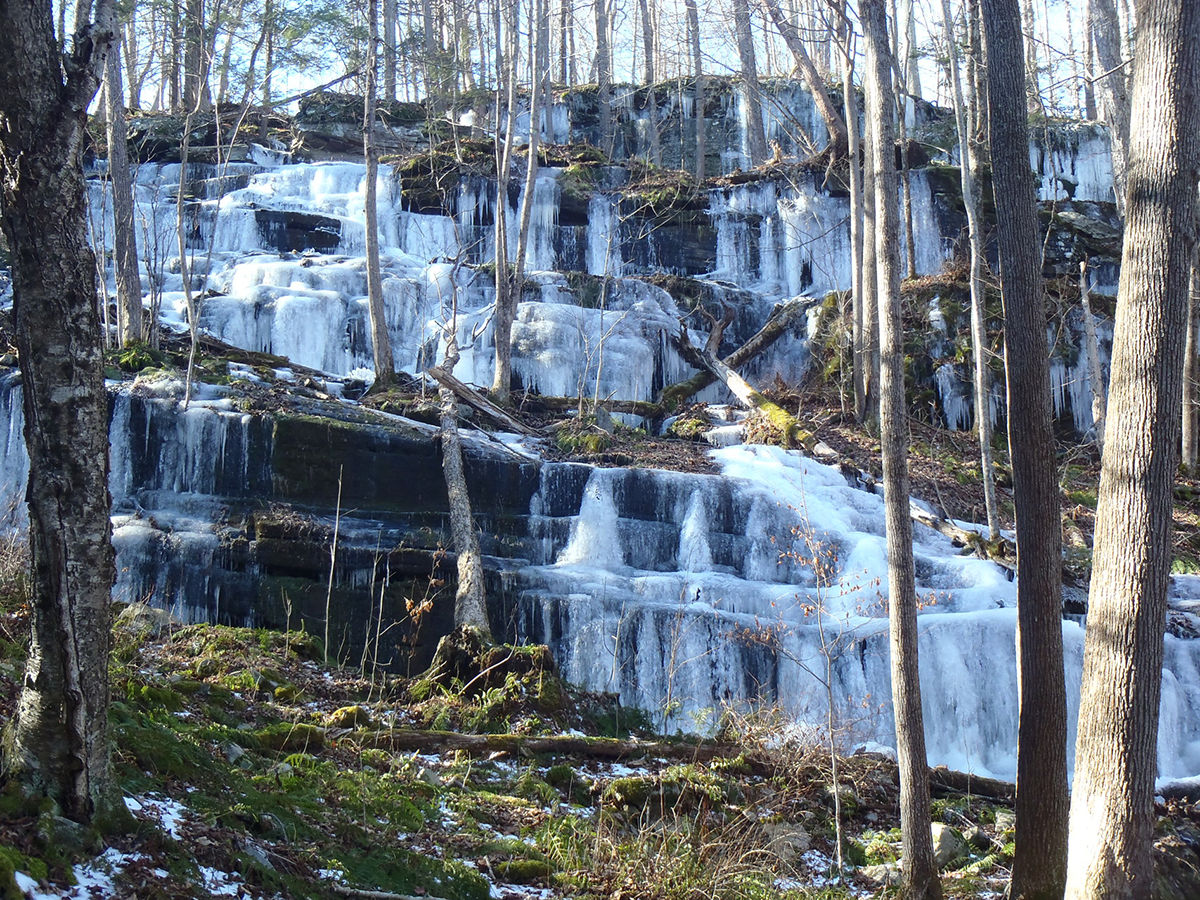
{"x": 690, "y": 428}
{"x": 523, "y": 871}
{"x": 13, "y": 861}
{"x": 288, "y": 737}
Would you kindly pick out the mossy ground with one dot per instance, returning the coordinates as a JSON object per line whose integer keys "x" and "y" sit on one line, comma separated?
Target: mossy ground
{"x": 247, "y": 761}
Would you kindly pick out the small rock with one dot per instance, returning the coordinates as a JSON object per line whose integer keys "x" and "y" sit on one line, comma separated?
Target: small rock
{"x": 349, "y": 717}
{"x": 885, "y": 875}
{"x": 604, "y": 420}
{"x": 978, "y": 838}
{"x": 430, "y": 777}
{"x": 949, "y": 845}
{"x": 1006, "y": 820}
{"x": 789, "y": 842}
{"x": 281, "y": 769}
{"x": 232, "y": 751}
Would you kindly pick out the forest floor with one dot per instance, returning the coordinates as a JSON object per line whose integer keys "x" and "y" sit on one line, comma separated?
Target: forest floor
{"x": 252, "y": 769}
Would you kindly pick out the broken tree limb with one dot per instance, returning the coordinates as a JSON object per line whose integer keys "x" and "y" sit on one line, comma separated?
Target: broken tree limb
{"x": 781, "y": 319}
{"x": 793, "y": 433}
{"x": 1000, "y": 551}
{"x": 478, "y": 402}
{"x": 647, "y": 409}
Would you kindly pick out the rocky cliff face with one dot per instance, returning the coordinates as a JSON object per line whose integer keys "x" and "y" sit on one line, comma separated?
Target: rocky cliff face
{"x": 684, "y": 593}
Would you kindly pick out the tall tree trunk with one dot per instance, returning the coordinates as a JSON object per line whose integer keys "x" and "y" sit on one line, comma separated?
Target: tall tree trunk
{"x": 1112, "y": 89}
{"x": 604, "y": 65}
{"x": 834, "y": 123}
{"x": 699, "y": 97}
{"x": 1032, "y": 77}
{"x": 1089, "y": 63}
{"x": 1040, "y": 864}
{"x": 756, "y": 141}
{"x": 651, "y": 95}
{"x": 381, "y": 343}
{"x": 919, "y": 874}
{"x": 977, "y": 71}
{"x": 506, "y": 302}
{"x": 1191, "y": 374}
{"x": 195, "y": 62}
{"x": 1112, "y": 805}
{"x": 968, "y": 166}
{"x": 470, "y": 600}
{"x": 1095, "y": 376}
{"x": 389, "y": 50}
{"x": 506, "y": 312}
{"x": 58, "y": 744}
{"x": 125, "y": 264}
{"x": 870, "y": 280}
{"x": 850, "y": 104}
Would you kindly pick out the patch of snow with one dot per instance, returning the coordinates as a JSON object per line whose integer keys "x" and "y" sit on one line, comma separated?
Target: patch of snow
{"x": 168, "y": 814}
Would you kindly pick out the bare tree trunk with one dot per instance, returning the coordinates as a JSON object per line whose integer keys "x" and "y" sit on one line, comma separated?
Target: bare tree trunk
{"x": 968, "y": 164}
{"x": 195, "y": 63}
{"x": 699, "y": 98}
{"x": 976, "y": 70}
{"x": 604, "y": 74}
{"x": 651, "y": 95}
{"x": 1111, "y": 89}
{"x": 834, "y": 123}
{"x": 125, "y": 264}
{"x": 1095, "y": 376}
{"x": 919, "y": 875}
{"x": 870, "y": 278}
{"x": 1191, "y": 374}
{"x": 1112, "y": 807}
{"x": 470, "y": 599}
{"x": 756, "y": 141}
{"x": 506, "y": 311}
{"x": 858, "y": 313}
{"x": 1032, "y": 77}
{"x": 58, "y": 744}
{"x": 1089, "y": 63}
{"x": 506, "y": 302}
{"x": 381, "y": 343}
{"x": 389, "y": 50}
{"x": 1040, "y": 864}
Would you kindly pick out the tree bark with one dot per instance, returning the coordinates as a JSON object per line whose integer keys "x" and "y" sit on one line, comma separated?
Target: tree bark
{"x": 699, "y": 99}
{"x": 968, "y": 165}
{"x": 604, "y": 65}
{"x": 1095, "y": 376}
{"x": 870, "y": 277}
{"x": 389, "y": 50}
{"x": 854, "y": 144}
{"x": 506, "y": 302}
{"x": 834, "y": 123}
{"x": 1040, "y": 864}
{"x": 129, "y": 280}
{"x": 1191, "y": 374}
{"x": 920, "y": 878}
{"x": 1112, "y": 92}
{"x": 381, "y": 343}
{"x": 470, "y": 601}
{"x": 58, "y": 745}
{"x": 756, "y": 140}
{"x": 651, "y": 94}
{"x": 1112, "y": 809}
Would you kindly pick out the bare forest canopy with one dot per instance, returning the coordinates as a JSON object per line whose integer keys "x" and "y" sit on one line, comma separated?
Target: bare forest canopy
{"x": 177, "y": 54}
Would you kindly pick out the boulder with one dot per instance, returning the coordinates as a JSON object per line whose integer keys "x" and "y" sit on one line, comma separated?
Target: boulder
{"x": 949, "y": 846}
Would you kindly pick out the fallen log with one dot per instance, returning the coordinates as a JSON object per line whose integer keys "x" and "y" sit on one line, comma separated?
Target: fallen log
{"x": 780, "y": 320}
{"x": 794, "y": 434}
{"x": 943, "y": 781}
{"x": 405, "y": 739}
{"x": 478, "y": 402}
{"x": 647, "y": 409}
{"x": 1000, "y": 551}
